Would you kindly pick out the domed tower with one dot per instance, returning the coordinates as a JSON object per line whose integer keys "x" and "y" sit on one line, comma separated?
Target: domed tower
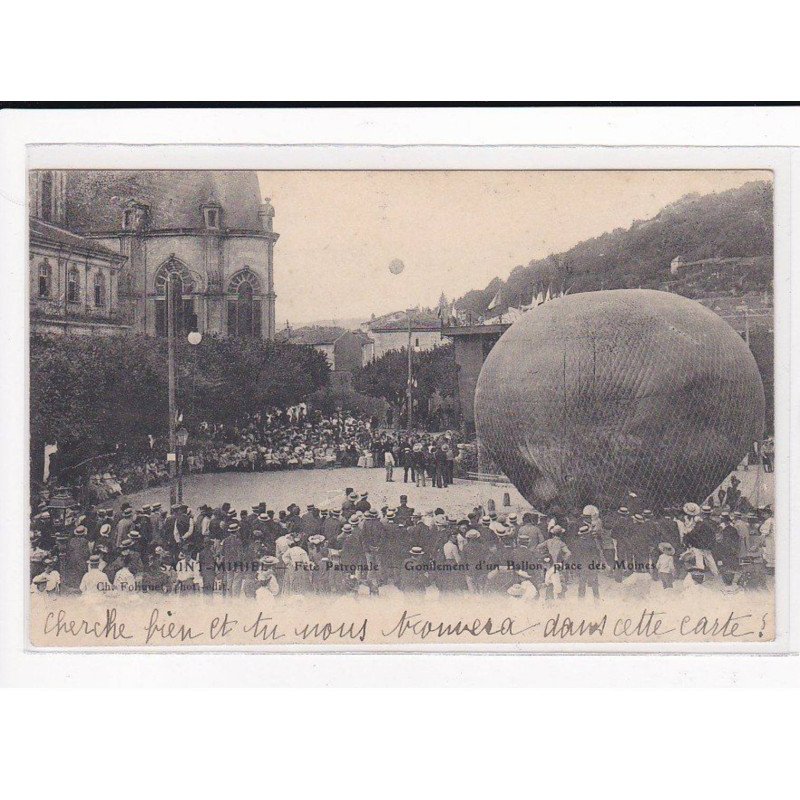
{"x": 206, "y": 231}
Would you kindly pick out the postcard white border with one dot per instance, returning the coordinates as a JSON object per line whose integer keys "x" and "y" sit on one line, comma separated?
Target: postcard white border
{"x": 41, "y": 666}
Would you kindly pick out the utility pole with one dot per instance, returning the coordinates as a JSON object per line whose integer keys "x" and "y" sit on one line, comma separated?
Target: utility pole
{"x": 409, "y": 398}
{"x": 743, "y": 308}
{"x": 747, "y": 326}
{"x": 172, "y": 455}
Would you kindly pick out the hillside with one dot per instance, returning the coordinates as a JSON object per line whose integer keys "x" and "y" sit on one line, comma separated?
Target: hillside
{"x": 729, "y": 232}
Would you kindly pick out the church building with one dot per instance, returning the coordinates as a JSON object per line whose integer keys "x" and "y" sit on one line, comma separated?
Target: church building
{"x": 205, "y": 236}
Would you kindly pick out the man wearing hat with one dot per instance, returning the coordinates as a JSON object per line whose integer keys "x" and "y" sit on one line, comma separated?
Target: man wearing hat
{"x": 349, "y": 503}
{"x": 76, "y": 556}
{"x": 252, "y": 518}
{"x": 123, "y": 527}
{"x": 183, "y": 532}
{"x": 555, "y": 546}
{"x": 452, "y": 580}
{"x": 311, "y": 521}
{"x": 332, "y": 527}
{"x": 118, "y": 560}
{"x": 245, "y": 526}
{"x": 141, "y": 522}
{"x": 319, "y": 560}
{"x": 414, "y": 575}
{"x": 232, "y": 556}
{"x": 487, "y": 534}
{"x": 639, "y": 544}
{"x": 472, "y": 555}
{"x": 531, "y": 529}
{"x": 271, "y": 527}
{"x": 403, "y": 512}
{"x": 588, "y": 557}
{"x": 726, "y": 550}
{"x": 50, "y": 576}
{"x": 268, "y": 586}
{"x": 363, "y": 505}
{"x": 135, "y": 555}
{"x": 156, "y": 534}
{"x": 94, "y": 579}
{"x": 418, "y": 461}
{"x": 353, "y": 555}
{"x": 262, "y": 532}
{"x": 621, "y": 529}
{"x": 208, "y": 560}
{"x": 371, "y": 534}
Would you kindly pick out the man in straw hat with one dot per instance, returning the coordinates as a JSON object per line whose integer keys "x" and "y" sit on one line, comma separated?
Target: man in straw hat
{"x": 94, "y": 579}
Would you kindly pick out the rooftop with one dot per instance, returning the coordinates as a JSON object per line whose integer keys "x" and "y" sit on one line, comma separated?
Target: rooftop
{"x": 317, "y": 335}
{"x": 54, "y": 235}
{"x": 422, "y": 319}
{"x": 95, "y": 199}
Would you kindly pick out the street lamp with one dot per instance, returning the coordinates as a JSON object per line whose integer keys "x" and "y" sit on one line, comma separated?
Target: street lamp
{"x": 195, "y": 337}
{"x": 181, "y": 437}
{"x": 409, "y": 377}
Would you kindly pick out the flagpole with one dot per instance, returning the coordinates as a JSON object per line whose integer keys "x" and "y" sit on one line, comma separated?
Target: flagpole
{"x": 408, "y": 384}
{"x": 172, "y": 456}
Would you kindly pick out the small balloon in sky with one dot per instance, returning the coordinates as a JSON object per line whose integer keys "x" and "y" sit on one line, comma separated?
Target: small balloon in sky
{"x": 396, "y": 266}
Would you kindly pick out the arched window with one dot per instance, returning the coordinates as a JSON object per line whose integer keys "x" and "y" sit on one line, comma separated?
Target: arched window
{"x": 72, "y": 285}
{"x": 99, "y": 290}
{"x": 174, "y": 276}
{"x": 47, "y": 196}
{"x": 244, "y": 308}
{"x": 45, "y": 279}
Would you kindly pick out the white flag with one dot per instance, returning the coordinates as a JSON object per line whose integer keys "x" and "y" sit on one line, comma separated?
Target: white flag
{"x": 49, "y": 450}
{"x": 495, "y": 301}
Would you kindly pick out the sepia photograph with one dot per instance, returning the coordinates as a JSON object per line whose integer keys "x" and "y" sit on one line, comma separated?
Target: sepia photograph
{"x": 379, "y": 408}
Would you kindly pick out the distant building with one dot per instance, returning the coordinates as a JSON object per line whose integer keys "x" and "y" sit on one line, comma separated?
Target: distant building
{"x": 346, "y": 351}
{"x": 676, "y": 265}
{"x": 390, "y": 331}
{"x": 205, "y": 233}
{"x": 73, "y": 282}
{"x": 471, "y": 345}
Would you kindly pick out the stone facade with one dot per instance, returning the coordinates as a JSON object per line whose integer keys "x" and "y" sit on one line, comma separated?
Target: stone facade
{"x": 206, "y": 234}
{"x": 345, "y": 351}
{"x": 394, "y": 339}
{"x": 73, "y": 283}
{"x": 390, "y": 332}
{"x": 471, "y": 345}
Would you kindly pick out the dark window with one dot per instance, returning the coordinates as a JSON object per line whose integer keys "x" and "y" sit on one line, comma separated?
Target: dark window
{"x": 99, "y": 290}
{"x": 44, "y": 280}
{"x": 47, "y": 196}
{"x": 72, "y": 286}
{"x": 244, "y": 313}
{"x": 183, "y": 309}
{"x": 211, "y": 216}
{"x": 128, "y": 219}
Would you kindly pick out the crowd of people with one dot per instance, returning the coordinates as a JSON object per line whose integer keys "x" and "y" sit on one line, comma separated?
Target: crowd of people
{"x": 278, "y": 439}
{"x": 297, "y": 438}
{"x": 353, "y": 547}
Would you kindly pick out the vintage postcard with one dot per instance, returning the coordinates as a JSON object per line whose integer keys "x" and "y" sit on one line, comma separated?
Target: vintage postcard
{"x": 421, "y": 408}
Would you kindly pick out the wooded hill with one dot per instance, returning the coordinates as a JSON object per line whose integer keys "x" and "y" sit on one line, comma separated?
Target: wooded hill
{"x": 735, "y": 224}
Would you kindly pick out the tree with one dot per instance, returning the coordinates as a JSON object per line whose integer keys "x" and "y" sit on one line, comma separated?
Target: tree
{"x": 91, "y": 394}
{"x": 434, "y": 371}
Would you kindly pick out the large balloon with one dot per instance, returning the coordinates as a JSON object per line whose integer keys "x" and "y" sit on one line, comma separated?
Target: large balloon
{"x": 593, "y": 395}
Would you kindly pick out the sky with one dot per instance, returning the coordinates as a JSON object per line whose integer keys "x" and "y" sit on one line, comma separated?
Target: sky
{"x": 453, "y": 230}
